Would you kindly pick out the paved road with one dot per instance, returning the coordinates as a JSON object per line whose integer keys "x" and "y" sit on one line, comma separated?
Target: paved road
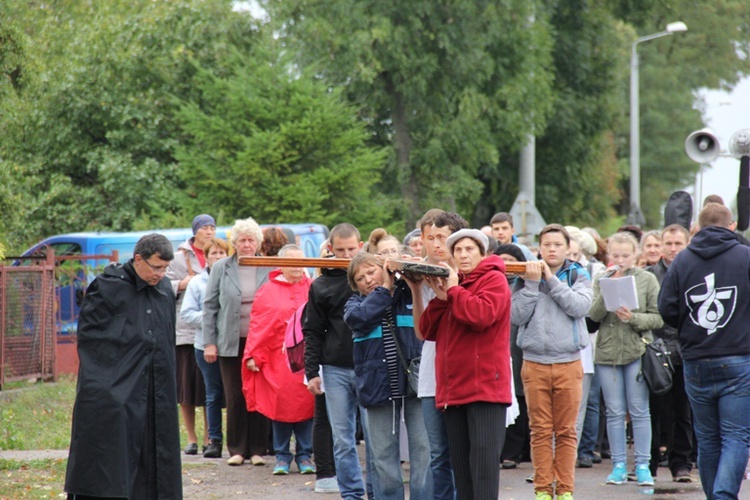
{"x": 212, "y": 478}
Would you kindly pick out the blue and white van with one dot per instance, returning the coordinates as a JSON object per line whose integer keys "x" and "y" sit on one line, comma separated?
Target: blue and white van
{"x": 71, "y": 286}
{"x": 308, "y": 236}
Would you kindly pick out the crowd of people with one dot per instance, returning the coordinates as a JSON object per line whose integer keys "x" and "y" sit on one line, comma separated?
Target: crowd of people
{"x": 462, "y": 368}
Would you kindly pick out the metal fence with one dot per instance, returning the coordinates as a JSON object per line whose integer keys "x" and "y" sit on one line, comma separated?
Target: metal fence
{"x": 27, "y": 318}
{"x": 40, "y": 298}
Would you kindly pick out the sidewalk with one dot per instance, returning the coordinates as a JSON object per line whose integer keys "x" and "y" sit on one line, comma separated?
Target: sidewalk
{"x": 213, "y": 478}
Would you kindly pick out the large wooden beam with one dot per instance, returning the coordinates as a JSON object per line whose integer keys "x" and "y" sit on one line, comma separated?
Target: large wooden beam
{"x": 407, "y": 266}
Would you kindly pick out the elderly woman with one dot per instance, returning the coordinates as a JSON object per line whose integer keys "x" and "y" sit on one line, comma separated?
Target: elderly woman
{"x": 269, "y": 385}
{"x": 192, "y": 314}
{"x": 384, "y": 345}
{"x": 413, "y": 240}
{"x": 226, "y": 319}
{"x": 469, "y": 320}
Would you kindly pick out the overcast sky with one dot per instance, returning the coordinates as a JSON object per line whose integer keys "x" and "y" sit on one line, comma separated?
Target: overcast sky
{"x": 726, "y": 113}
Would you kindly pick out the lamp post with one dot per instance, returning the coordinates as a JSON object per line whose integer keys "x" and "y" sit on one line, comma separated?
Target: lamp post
{"x": 636, "y": 216}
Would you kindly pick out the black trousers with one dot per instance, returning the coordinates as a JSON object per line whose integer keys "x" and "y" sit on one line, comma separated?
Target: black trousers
{"x": 476, "y": 434}
{"x": 325, "y": 465}
{"x": 517, "y": 445}
{"x": 672, "y": 407}
{"x": 247, "y": 431}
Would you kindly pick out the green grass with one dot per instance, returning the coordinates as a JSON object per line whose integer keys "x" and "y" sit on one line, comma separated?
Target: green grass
{"x": 37, "y": 417}
{"x": 34, "y": 479}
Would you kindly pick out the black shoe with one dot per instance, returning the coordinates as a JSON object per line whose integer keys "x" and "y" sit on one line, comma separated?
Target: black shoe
{"x": 213, "y": 450}
{"x": 584, "y": 463}
{"x": 682, "y": 476}
{"x": 509, "y": 464}
{"x": 597, "y": 458}
{"x": 191, "y": 449}
{"x": 606, "y": 454}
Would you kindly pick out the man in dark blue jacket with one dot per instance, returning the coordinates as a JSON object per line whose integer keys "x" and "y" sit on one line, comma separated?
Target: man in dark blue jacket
{"x": 705, "y": 296}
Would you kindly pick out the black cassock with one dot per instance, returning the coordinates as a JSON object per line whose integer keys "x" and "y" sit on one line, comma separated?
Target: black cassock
{"x": 125, "y": 441}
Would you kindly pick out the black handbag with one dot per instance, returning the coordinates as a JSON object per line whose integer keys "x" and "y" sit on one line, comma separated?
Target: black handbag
{"x": 656, "y": 367}
{"x": 411, "y": 368}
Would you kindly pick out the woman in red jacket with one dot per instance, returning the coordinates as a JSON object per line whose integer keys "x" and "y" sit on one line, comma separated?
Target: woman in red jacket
{"x": 268, "y": 384}
{"x": 469, "y": 320}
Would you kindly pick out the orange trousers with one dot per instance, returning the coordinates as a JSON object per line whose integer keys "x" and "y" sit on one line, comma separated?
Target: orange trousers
{"x": 553, "y": 395}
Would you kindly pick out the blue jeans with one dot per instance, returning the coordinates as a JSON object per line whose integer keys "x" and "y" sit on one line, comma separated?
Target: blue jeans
{"x": 282, "y": 435}
{"x": 214, "y": 395}
{"x": 625, "y": 393}
{"x": 383, "y": 423}
{"x": 370, "y": 473}
{"x": 440, "y": 458}
{"x": 341, "y": 403}
{"x": 719, "y": 393}
{"x": 590, "y": 430}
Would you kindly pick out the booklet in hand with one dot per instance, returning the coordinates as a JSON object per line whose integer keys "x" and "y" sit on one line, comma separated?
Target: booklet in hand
{"x": 618, "y": 292}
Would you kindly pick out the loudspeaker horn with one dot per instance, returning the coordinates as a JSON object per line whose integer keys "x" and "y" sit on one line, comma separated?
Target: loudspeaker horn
{"x": 702, "y": 146}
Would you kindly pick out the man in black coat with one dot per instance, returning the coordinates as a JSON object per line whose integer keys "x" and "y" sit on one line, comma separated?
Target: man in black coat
{"x": 125, "y": 440}
{"x": 670, "y": 412}
{"x": 328, "y": 343}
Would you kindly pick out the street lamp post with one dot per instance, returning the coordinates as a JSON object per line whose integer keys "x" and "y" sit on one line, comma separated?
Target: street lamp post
{"x": 636, "y": 216}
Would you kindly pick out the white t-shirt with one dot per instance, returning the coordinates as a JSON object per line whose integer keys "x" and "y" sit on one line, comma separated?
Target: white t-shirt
{"x": 427, "y": 365}
{"x": 426, "y": 387}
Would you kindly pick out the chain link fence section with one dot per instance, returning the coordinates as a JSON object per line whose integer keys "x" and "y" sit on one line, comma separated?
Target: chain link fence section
{"x": 27, "y": 320}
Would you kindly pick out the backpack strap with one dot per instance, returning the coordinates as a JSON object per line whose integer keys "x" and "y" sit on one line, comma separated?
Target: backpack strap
{"x": 187, "y": 262}
{"x": 572, "y": 276}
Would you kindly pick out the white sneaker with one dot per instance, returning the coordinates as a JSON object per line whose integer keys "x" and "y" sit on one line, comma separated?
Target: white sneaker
{"x": 327, "y": 485}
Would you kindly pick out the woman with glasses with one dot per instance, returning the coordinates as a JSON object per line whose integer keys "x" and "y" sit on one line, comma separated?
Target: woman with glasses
{"x": 383, "y": 244}
{"x": 226, "y": 319}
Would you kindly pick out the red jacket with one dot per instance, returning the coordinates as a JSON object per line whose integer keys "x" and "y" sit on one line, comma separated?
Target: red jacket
{"x": 275, "y": 391}
{"x": 472, "y": 334}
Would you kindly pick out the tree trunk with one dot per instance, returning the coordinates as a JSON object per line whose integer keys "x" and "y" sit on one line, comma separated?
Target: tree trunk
{"x": 403, "y": 143}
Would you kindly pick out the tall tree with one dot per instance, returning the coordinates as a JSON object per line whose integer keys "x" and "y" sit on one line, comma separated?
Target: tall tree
{"x": 445, "y": 84}
{"x": 91, "y": 139}
{"x": 713, "y": 53}
{"x": 268, "y": 141}
{"x": 576, "y": 168}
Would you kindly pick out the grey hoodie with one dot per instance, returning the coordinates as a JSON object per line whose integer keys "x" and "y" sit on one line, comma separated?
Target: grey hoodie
{"x": 551, "y": 316}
